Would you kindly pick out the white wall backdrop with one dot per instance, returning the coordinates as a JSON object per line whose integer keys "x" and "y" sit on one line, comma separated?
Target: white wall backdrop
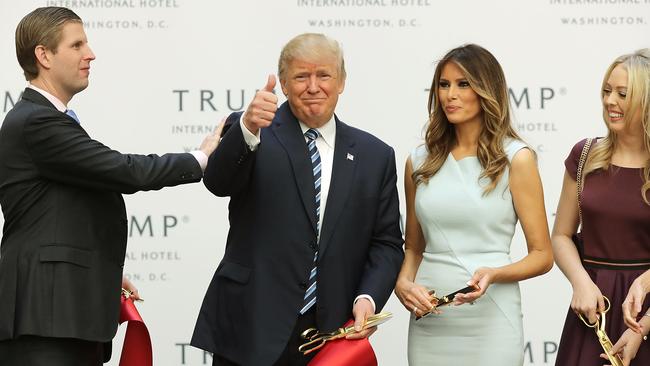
{"x": 168, "y": 70}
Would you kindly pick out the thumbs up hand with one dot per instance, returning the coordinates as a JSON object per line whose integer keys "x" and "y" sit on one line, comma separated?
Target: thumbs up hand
{"x": 261, "y": 110}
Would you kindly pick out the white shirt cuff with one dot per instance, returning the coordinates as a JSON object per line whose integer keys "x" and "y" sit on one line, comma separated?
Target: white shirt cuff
{"x": 364, "y": 296}
{"x": 251, "y": 140}
{"x": 201, "y": 158}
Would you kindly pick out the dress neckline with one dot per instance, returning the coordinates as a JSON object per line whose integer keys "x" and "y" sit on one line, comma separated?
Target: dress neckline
{"x": 463, "y": 158}
{"x": 626, "y": 167}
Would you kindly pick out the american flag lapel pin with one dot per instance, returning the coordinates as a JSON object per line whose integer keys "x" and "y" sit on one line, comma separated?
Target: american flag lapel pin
{"x": 350, "y": 157}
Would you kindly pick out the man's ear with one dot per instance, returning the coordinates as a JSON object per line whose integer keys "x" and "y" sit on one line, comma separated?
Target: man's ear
{"x": 42, "y": 56}
{"x": 341, "y": 86}
{"x": 284, "y": 89}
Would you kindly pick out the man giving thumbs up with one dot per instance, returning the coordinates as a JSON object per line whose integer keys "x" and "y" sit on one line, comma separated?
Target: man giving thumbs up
{"x": 314, "y": 233}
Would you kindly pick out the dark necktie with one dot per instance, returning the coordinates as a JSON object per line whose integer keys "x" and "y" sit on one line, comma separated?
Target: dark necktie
{"x": 310, "y": 295}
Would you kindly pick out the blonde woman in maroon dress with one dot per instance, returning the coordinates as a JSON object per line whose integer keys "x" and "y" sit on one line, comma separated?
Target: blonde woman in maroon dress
{"x": 615, "y": 231}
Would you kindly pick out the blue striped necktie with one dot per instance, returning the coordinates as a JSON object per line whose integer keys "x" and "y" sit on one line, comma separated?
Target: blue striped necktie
{"x": 310, "y": 295}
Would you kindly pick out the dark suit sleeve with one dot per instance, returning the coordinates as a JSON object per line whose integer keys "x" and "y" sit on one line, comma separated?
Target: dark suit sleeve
{"x": 385, "y": 255}
{"x": 230, "y": 166}
{"x": 63, "y": 152}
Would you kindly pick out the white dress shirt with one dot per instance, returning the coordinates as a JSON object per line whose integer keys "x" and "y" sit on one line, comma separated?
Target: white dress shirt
{"x": 51, "y": 98}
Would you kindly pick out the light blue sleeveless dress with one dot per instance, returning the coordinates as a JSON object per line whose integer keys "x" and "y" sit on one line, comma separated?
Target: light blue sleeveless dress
{"x": 465, "y": 230}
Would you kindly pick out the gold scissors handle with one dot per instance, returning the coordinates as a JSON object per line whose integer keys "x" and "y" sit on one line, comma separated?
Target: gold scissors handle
{"x": 316, "y": 339}
{"x": 599, "y": 327}
{"x": 601, "y": 314}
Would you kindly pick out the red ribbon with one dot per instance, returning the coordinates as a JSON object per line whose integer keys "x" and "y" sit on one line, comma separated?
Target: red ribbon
{"x": 345, "y": 352}
{"x": 136, "y": 350}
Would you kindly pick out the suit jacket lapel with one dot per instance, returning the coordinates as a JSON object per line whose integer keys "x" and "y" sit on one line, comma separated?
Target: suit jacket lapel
{"x": 36, "y": 97}
{"x": 343, "y": 168}
{"x": 33, "y": 96}
{"x": 287, "y": 130}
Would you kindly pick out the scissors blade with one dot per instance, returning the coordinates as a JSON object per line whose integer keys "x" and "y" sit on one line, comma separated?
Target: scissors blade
{"x": 607, "y": 345}
{"x": 377, "y": 319}
{"x": 372, "y": 321}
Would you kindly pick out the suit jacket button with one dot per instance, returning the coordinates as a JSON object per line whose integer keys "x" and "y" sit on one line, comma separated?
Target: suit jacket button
{"x": 313, "y": 245}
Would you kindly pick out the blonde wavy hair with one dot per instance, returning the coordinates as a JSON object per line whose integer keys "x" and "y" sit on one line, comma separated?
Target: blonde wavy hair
{"x": 486, "y": 78}
{"x": 637, "y": 65}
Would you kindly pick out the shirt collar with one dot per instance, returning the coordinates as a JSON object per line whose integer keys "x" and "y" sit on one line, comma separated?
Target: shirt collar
{"x": 327, "y": 131}
{"x": 54, "y": 100}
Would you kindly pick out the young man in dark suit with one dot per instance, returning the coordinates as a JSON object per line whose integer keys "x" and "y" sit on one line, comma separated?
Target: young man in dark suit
{"x": 314, "y": 217}
{"x": 65, "y": 229}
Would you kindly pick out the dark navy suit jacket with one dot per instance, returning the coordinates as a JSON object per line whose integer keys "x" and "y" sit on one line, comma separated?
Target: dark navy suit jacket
{"x": 253, "y": 301}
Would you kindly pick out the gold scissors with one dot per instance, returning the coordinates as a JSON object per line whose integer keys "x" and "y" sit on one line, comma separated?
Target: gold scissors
{"x": 127, "y": 294}
{"x": 603, "y": 339}
{"x": 445, "y": 300}
{"x": 316, "y": 339}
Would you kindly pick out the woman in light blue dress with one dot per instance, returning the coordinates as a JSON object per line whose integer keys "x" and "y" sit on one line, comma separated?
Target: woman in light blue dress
{"x": 466, "y": 187}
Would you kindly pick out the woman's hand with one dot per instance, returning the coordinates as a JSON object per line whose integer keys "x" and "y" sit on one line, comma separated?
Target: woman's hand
{"x": 632, "y": 304}
{"x": 483, "y": 278}
{"x": 626, "y": 347}
{"x": 415, "y": 298}
{"x": 587, "y": 300}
